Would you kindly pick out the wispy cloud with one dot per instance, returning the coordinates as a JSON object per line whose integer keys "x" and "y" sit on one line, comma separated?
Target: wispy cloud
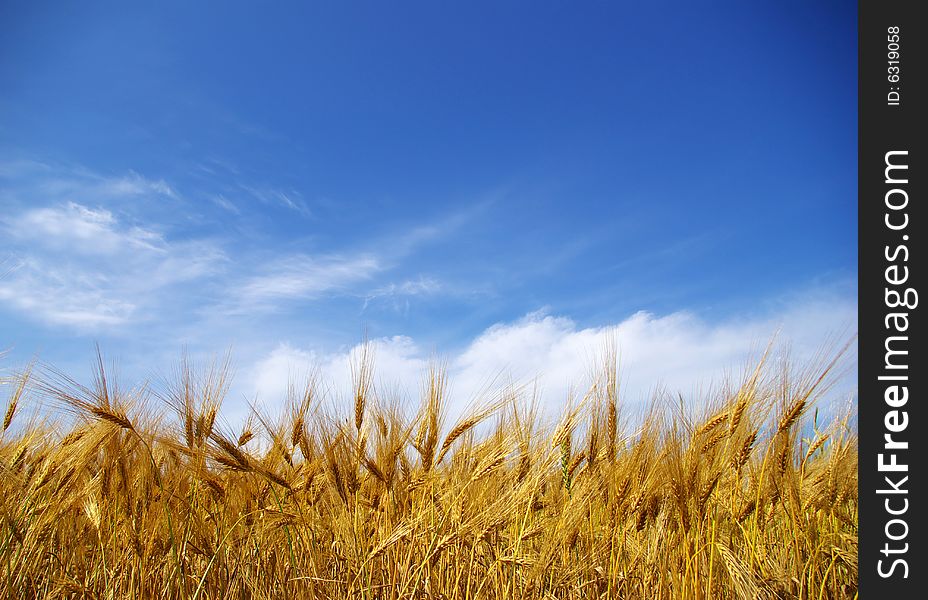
{"x": 289, "y": 199}
{"x": 96, "y": 250}
{"x": 84, "y": 268}
{"x": 439, "y": 230}
{"x": 20, "y": 167}
{"x": 63, "y": 296}
{"x": 77, "y": 228}
{"x": 85, "y": 185}
{"x": 224, "y": 203}
{"x": 288, "y": 278}
{"x": 304, "y": 277}
{"x": 82, "y": 252}
{"x": 134, "y": 184}
{"x": 398, "y": 294}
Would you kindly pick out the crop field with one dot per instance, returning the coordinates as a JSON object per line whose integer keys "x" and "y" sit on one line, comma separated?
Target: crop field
{"x": 149, "y": 493}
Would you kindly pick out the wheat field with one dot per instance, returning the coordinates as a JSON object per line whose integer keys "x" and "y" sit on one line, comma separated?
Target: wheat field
{"x": 148, "y": 493}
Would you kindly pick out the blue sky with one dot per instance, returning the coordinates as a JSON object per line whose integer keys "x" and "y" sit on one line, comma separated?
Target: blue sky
{"x": 479, "y": 181}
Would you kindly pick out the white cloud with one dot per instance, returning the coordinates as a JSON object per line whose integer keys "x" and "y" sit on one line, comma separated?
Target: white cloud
{"x": 679, "y": 352}
{"x": 290, "y": 199}
{"x": 398, "y": 360}
{"x": 81, "y": 229}
{"x": 272, "y": 375}
{"x": 83, "y": 251}
{"x": 91, "y": 251}
{"x": 64, "y": 296}
{"x": 411, "y": 287}
{"x": 306, "y": 277}
{"x": 21, "y": 167}
{"x": 85, "y": 186}
{"x": 84, "y": 268}
{"x": 397, "y": 295}
{"x": 133, "y": 184}
{"x": 224, "y": 203}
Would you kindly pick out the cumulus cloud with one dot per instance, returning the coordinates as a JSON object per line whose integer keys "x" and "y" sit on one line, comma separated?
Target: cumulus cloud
{"x": 678, "y": 352}
{"x": 399, "y": 362}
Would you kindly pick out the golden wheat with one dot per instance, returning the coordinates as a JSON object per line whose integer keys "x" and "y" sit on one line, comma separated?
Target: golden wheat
{"x": 127, "y": 500}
